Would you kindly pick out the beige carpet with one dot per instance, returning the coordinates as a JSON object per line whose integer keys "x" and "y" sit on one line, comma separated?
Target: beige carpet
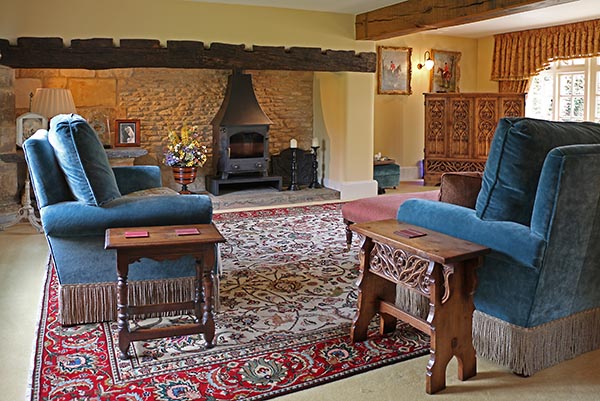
{"x": 23, "y": 257}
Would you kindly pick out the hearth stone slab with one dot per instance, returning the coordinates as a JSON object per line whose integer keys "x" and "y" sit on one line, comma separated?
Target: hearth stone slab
{"x": 213, "y": 184}
{"x": 271, "y": 197}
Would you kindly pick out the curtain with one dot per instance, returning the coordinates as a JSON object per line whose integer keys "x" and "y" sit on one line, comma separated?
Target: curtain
{"x": 521, "y": 55}
{"x": 514, "y": 86}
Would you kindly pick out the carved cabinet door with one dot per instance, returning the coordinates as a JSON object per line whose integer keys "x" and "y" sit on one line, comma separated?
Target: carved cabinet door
{"x": 459, "y": 128}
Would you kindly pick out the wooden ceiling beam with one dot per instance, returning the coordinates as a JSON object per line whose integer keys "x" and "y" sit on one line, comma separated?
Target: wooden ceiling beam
{"x": 414, "y": 16}
{"x": 101, "y": 53}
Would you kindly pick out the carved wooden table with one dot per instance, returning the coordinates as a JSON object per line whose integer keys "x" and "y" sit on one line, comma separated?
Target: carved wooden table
{"x": 435, "y": 265}
{"x": 165, "y": 243}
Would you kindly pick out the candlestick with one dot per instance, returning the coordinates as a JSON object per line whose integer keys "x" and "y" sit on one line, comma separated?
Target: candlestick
{"x": 315, "y": 169}
{"x": 294, "y": 171}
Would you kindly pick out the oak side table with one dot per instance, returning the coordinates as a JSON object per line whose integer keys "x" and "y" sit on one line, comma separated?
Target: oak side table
{"x": 166, "y": 243}
{"x": 435, "y": 265}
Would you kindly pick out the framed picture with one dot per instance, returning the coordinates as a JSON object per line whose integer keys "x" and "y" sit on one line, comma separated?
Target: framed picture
{"x": 393, "y": 70}
{"x": 27, "y": 124}
{"x": 127, "y": 133}
{"x": 445, "y": 73}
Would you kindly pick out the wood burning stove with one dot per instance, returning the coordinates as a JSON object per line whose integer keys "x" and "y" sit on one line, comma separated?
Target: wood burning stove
{"x": 240, "y": 138}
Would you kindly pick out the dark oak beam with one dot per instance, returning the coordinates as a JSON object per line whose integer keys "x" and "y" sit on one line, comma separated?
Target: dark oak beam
{"x": 420, "y": 15}
{"x": 101, "y": 53}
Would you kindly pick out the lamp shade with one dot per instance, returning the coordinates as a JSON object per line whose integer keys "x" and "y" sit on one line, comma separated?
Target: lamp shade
{"x": 50, "y": 102}
{"x": 429, "y": 64}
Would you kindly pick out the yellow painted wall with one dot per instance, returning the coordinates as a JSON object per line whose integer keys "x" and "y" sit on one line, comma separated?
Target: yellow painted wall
{"x": 350, "y": 150}
{"x": 177, "y": 20}
{"x": 348, "y": 112}
{"x": 485, "y": 56}
{"x": 344, "y": 120}
{"x": 399, "y": 119}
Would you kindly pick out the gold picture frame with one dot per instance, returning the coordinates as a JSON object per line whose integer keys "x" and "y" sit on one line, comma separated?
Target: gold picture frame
{"x": 445, "y": 74}
{"x": 393, "y": 70}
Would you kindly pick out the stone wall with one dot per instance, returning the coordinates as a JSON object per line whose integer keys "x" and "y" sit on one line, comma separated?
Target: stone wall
{"x": 166, "y": 99}
{"x": 9, "y": 193}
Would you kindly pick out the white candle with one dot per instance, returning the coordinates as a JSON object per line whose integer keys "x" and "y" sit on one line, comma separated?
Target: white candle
{"x": 293, "y": 143}
{"x": 315, "y": 142}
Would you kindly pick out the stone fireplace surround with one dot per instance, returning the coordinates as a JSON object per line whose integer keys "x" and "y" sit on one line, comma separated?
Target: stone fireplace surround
{"x": 163, "y": 99}
{"x": 103, "y": 94}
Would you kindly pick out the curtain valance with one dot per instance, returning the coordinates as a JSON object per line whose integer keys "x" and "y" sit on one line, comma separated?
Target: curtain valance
{"x": 520, "y": 55}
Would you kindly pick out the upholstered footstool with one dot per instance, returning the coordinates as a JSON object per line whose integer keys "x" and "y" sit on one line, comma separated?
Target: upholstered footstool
{"x": 380, "y": 207}
{"x": 387, "y": 175}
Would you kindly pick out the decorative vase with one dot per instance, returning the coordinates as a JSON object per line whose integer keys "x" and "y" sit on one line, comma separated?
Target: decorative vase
{"x": 184, "y": 176}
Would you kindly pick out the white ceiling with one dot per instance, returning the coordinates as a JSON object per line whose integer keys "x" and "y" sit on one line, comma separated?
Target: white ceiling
{"x": 579, "y": 10}
{"x": 334, "y": 6}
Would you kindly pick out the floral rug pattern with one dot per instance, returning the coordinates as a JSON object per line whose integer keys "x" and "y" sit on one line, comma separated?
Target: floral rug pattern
{"x": 288, "y": 296}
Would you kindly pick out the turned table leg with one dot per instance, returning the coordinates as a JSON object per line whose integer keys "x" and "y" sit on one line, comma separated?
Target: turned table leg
{"x": 122, "y": 305}
{"x": 204, "y": 271}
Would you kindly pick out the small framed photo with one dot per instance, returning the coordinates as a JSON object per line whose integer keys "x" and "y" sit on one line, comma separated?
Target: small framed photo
{"x": 445, "y": 73}
{"x": 127, "y": 133}
{"x": 393, "y": 70}
{"x": 28, "y": 124}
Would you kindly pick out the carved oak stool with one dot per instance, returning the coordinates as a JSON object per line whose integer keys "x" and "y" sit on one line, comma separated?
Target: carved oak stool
{"x": 435, "y": 265}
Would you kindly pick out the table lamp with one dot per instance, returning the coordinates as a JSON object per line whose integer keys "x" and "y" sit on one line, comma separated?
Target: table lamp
{"x": 50, "y": 102}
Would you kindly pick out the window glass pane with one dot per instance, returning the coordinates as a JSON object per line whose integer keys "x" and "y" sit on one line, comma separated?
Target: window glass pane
{"x": 579, "y": 84}
{"x": 579, "y": 61}
{"x": 566, "y": 85}
{"x": 598, "y": 83}
{"x": 597, "y": 119}
{"x": 565, "y": 109}
{"x": 578, "y": 108}
{"x": 539, "y": 99}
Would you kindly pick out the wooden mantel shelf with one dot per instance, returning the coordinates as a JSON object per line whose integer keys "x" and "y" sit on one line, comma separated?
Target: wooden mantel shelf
{"x": 101, "y": 53}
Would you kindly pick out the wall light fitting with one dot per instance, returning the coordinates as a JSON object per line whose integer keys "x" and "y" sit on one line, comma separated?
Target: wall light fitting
{"x": 428, "y": 61}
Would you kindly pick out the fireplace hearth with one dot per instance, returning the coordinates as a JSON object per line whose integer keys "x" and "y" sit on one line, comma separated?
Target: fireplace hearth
{"x": 240, "y": 138}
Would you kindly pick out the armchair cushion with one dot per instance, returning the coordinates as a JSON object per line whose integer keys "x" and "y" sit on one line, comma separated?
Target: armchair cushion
{"x": 136, "y": 178}
{"x": 75, "y": 219}
{"x": 82, "y": 158}
{"x": 515, "y": 161}
{"x": 460, "y": 188}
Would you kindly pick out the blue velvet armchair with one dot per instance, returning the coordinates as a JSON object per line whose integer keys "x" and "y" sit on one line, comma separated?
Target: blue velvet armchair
{"x": 79, "y": 196}
{"x": 538, "y": 295}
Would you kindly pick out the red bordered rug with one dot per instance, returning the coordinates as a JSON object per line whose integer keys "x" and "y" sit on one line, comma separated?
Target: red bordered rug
{"x": 288, "y": 295}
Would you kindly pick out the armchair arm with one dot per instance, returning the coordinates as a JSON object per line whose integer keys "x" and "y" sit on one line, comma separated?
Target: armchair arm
{"x": 512, "y": 239}
{"x": 72, "y": 219}
{"x": 460, "y": 188}
{"x": 136, "y": 178}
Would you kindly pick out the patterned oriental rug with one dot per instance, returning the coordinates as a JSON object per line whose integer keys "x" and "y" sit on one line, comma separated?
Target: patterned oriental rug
{"x": 288, "y": 296}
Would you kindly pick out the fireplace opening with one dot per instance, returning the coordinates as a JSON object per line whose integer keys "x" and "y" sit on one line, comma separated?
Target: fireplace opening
{"x": 246, "y": 145}
{"x": 240, "y": 138}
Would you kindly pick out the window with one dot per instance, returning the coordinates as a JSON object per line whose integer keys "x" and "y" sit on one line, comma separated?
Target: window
{"x": 568, "y": 90}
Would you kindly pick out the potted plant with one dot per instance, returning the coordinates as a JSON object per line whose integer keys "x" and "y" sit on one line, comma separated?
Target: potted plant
{"x": 184, "y": 154}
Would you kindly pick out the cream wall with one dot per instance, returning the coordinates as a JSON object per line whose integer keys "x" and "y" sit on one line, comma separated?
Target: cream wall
{"x": 485, "y": 57}
{"x": 177, "y": 20}
{"x": 347, "y": 127}
{"x": 348, "y": 165}
{"x": 399, "y": 119}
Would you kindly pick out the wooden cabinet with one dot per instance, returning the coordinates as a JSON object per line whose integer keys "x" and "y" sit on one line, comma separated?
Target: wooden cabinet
{"x": 459, "y": 128}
